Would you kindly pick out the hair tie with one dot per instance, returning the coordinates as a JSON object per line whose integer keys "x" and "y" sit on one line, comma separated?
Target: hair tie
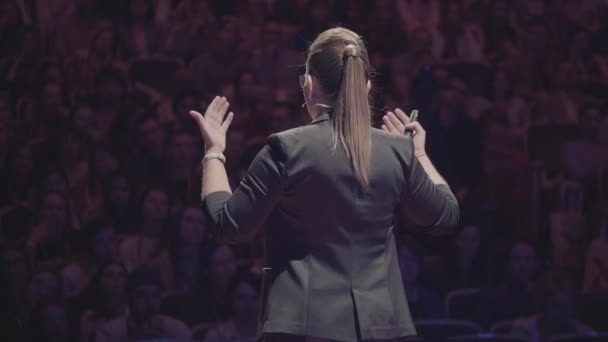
{"x": 350, "y": 50}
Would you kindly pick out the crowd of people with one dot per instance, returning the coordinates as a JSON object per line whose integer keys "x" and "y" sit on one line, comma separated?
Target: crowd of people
{"x": 102, "y": 237}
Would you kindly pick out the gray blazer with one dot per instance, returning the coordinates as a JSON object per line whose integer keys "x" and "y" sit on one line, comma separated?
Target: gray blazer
{"x": 331, "y": 266}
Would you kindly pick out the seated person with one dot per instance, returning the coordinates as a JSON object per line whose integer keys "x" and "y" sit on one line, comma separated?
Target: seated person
{"x": 463, "y": 261}
{"x": 424, "y": 303}
{"x": 243, "y": 298}
{"x": 513, "y": 298}
{"x": 556, "y": 299}
{"x": 596, "y": 266}
{"x": 143, "y": 320}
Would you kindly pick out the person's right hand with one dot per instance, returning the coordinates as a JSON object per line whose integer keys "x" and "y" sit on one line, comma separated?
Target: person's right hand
{"x": 399, "y": 123}
{"x": 214, "y": 124}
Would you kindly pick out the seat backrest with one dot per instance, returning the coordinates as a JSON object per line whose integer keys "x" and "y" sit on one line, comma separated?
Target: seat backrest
{"x": 488, "y": 338}
{"x": 445, "y": 328}
{"x": 462, "y": 303}
{"x": 200, "y": 330}
{"x": 580, "y": 338}
{"x": 503, "y": 327}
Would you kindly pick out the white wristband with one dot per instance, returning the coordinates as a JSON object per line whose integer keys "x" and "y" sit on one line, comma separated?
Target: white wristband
{"x": 218, "y": 156}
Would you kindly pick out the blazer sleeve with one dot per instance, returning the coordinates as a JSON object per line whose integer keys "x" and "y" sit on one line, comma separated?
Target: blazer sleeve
{"x": 425, "y": 206}
{"x": 237, "y": 216}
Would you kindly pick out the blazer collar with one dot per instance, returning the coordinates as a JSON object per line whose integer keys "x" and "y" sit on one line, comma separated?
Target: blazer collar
{"x": 320, "y": 118}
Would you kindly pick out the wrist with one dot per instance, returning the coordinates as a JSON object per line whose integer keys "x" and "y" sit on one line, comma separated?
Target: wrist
{"x": 420, "y": 154}
{"x": 213, "y": 155}
{"x": 214, "y": 149}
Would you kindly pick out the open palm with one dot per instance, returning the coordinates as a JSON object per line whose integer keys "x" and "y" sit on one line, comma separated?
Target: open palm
{"x": 399, "y": 123}
{"x": 214, "y": 124}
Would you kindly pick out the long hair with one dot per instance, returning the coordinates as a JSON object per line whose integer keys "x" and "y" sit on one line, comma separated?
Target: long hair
{"x": 175, "y": 243}
{"x": 93, "y": 296}
{"x": 338, "y": 59}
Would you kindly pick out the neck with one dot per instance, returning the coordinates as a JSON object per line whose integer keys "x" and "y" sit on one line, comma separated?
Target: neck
{"x": 116, "y": 304}
{"x": 219, "y": 288}
{"x": 101, "y": 57}
{"x": 139, "y": 22}
{"x": 154, "y": 154}
{"x": 320, "y": 110}
{"x": 54, "y": 232}
{"x": 189, "y": 252}
{"x": 152, "y": 228}
{"x": 179, "y": 172}
{"x": 314, "y": 112}
{"x": 190, "y": 249}
{"x": 191, "y": 246}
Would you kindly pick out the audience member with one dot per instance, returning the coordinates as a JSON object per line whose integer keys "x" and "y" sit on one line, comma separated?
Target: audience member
{"x": 14, "y": 278}
{"x": 243, "y": 298}
{"x": 143, "y": 319}
{"x": 94, "y": 97}
{"x": 188, "y": 248}
{"x": 221, "y": 267}
{"x": 149, "y": 244}
{"x": 53, "y": 237}
{"x": 555, "y": 299}
{"x": 106, "y": 297}
{"x": 143, "y": 36}
{"x": 463, "y": 263}
{"x": 74, "y": 279}
{"x": 43, "y": 285}
{"x": 514, "y": 297}
{"x": 424, "y": 303}
{"x": 119, "y": 202}
{"x": 51, "y": 323}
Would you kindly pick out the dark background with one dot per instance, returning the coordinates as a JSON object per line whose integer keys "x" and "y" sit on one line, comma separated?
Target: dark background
{"x": 100, "y": 161}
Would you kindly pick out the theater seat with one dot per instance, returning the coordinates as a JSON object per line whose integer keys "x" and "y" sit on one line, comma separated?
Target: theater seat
{"x": 580, "y": 338}
{"x": 488, "y": 338}
{"x": 462, "y": 304}
{"x": 503, "y": 327}
{"x": 441, "y": 329}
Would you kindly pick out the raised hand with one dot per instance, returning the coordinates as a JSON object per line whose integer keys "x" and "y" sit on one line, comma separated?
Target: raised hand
{"x": 398, "y": 123}
{"x": 214, "y": 124}
{"x": 395, "y": 122}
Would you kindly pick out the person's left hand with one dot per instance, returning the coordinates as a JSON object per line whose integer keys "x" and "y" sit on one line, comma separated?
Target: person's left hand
{"x": 213, "y": 126}
{"x": 399, "y": 123}
{"x": 395, "y": 122}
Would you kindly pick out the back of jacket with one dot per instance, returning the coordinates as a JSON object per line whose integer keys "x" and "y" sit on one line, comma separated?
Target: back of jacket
{"x": 331, "y": 262}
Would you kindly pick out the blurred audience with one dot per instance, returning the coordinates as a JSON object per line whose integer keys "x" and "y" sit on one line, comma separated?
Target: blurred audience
{"x": 243, "y": 298}
{"x": 423, "y": 301}
{"x": 101, "y": 163}
{"x": 514, "y": 297}
{"x": 149, "y": 244}
{"x": 556, "y": 307}
{"x": 143, "y": 320}
{"x": 462, "y": 264}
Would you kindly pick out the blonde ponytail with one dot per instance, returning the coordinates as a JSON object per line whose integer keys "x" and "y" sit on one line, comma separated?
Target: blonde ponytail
{"x": 339, "y": 60}
{"x": 352, "y": 115}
